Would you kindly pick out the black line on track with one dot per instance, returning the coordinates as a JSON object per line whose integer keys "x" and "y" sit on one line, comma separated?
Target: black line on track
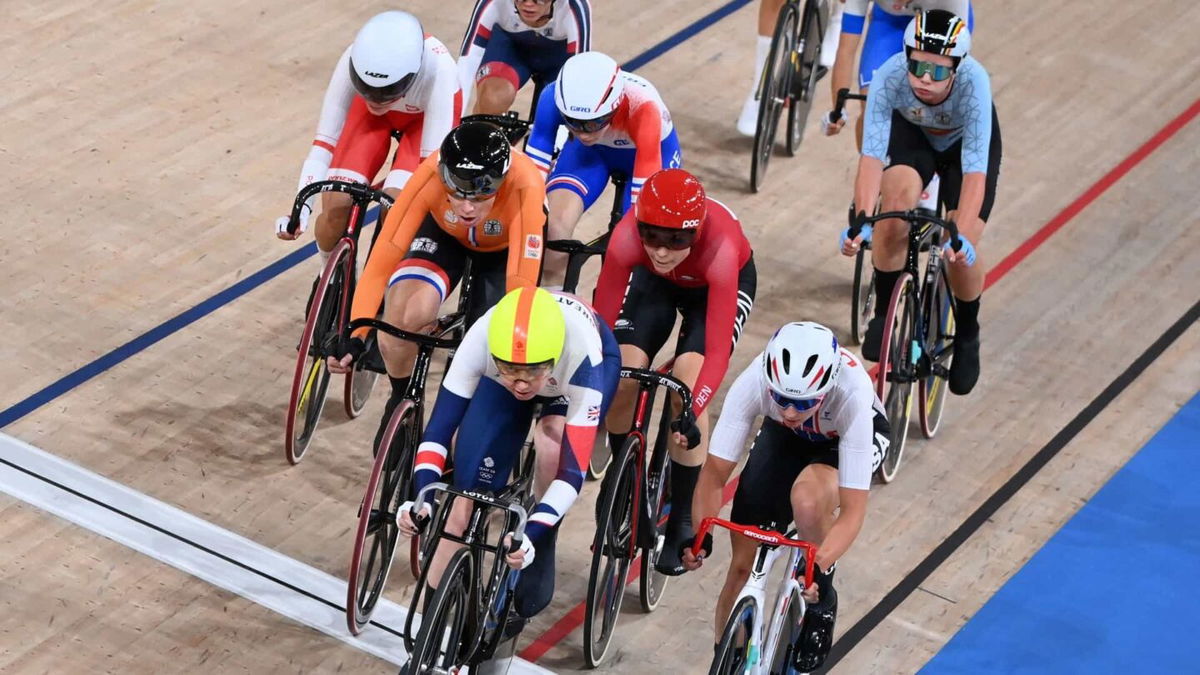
{"x": 973, "y": 522}
{"x": 193, "y": 544}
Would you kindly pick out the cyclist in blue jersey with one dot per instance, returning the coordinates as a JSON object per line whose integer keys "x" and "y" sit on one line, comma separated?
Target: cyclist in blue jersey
{"x": 930, "y": 110}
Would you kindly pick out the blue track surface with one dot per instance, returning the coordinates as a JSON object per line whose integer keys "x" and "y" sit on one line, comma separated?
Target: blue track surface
{"x": 1115, "y": 590}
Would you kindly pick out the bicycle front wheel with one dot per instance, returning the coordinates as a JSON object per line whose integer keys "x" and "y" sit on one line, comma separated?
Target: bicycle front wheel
{"x": 377, "y": 533}
{"x": 787, "y": 638}
{"x": 611, "y": 553}
{"x": 734, "y": 652}
{"x": 939, "y": 327}
{"x": 310, "y": 381}
{"x": 446, "y": 622}
{"x": 773, "y": 90}
{"x": 897, "y": 361}
{"x": 862, "y": 303}
{"x": 804, "y": 88}
{"x": 652, "y": 583}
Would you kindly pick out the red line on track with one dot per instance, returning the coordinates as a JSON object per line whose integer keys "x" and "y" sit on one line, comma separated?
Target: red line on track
{"x": 574, "y": 618}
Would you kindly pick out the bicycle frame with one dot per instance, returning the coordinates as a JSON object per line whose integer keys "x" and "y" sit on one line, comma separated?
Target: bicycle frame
{"x": 771, "y": 548}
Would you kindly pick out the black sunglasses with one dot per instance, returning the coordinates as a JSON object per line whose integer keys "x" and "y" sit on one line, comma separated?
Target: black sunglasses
{"x": 666, "y": 237}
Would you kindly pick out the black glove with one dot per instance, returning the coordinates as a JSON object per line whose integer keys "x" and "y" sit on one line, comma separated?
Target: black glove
{"x": 353, "y": 346}
{"x": 857, "y": 221}
{"x": 686, "y": 425}
{"x": 705, "y": 547}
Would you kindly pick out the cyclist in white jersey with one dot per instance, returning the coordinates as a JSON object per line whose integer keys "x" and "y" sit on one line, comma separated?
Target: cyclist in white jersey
{"x": 823, "y": 434}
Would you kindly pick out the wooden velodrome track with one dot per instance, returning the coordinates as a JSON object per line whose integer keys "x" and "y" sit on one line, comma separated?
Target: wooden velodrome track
{"x": 148, "y": 147}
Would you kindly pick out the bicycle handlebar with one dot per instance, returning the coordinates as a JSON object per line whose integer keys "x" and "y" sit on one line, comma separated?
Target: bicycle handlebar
{"x": 573, "y": 247}
{"x": 482, "y": 497}
{"x": 656, "y": 378}
{"x": 513, "y": 126}
{"x": 419, "y": 338}
{"x": 914, "y": 217}
{"x": 842, "y": 96}
{"x": 763, "y": 536}
{"x": 358, "y": 191}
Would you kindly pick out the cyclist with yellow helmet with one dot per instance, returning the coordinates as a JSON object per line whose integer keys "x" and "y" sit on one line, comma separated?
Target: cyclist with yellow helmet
{"x": 533, "y": 346}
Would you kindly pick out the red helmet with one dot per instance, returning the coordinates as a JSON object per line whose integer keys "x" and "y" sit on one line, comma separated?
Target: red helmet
{"x": 672, "y": 198}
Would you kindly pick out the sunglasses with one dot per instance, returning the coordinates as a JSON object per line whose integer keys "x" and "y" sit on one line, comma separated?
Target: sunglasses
{"x": 800, "y": 404}
{"x": 526, "y": 372}
{"x": 936, "y": 72}
{"x": 666, "y": 237}
{"x": 588, "y": 126}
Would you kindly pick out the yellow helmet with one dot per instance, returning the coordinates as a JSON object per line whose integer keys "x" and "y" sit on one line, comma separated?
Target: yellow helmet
{"x": 527, "y": 327}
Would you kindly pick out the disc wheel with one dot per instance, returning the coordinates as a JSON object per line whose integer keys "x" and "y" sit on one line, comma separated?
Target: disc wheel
{"x": 773, "y": 90}
{"x": 310, "y": 381}
{"x": 896, "y": 362}
{"x": 377, "y": 533}
{"x": 611, "y": 554}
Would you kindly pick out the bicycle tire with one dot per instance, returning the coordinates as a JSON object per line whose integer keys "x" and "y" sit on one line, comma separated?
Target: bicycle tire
{"x": 939, "y": 327}
{"x": 790, "y": 630}
{"x": 896, "y": 354}
{"x": 801, "y": 99}
{"x": 733, "y": 653}
{"x": 652, "y": 584}
{"x": 773, "y": 88}
{"x": 862, "y": 302}
{"x": 310, "y": 380}
{"x": 387, "y": 488}
{"x": 357, "y": 390}
{"x": 601, "y": 457}
{"x": 434, "y": 650}
{"x": 611, "y": 549}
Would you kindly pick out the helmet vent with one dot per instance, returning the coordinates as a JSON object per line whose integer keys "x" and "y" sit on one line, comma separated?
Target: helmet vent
{"x": 825, "y": 380}
{"x": 812, "y": 362}
{"x": 787, "y": 361}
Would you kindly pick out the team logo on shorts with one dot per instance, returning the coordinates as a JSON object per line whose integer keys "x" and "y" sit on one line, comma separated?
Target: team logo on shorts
{"x": 492, "y": 228}
{"x": 533, "y": 246}
{"x": 623, "y": 324}
{"x": 423, "y": 245}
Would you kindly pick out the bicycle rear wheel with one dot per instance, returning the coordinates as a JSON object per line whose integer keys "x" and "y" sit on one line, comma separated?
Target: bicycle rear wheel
{"x": 862, "y": 303}
{"x": 805, "y": 86}
{"x": 377, "y": 533}
{"x": 311, "y": 379}
{"x": 939, "y": 327}
{"x": 896, "y": 363}
{"x": 446, "y": 622}
{"x": 611, "y": 551}
{"x": 773, "y": 90}
{"x": 734, "y": 654}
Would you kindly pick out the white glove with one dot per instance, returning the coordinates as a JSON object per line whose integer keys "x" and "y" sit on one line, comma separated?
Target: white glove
{"x": 527, "y": 548}
{"x": 281, "y": 224}
{"x": 828, "y": 121}
{"x": 404, "y": 517}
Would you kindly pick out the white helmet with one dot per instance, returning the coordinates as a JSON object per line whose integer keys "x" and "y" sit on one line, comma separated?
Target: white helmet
{"x": 588, "y": 87}
{"x": 802, "y": 360}
{"x": 386, "y": 56}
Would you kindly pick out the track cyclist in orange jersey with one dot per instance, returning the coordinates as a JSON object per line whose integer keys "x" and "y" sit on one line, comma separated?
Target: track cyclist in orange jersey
{"x": 393, "y": 78}
{"x": 534, "y": 346}
{"x": 823, "y": 434}
{"x": 510, "y": 41}
{"x": 618, "y": 123}
{"x": 680, "y": 252}
{"x": 476, "y": 199}
{"x": 930, "y": 110}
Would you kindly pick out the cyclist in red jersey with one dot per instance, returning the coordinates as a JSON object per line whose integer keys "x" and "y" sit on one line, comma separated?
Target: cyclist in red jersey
{"x": 687, "y": 254}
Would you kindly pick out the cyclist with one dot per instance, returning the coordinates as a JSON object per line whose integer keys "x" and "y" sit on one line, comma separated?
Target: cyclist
{"x": 509, "y": 41}
{"x": 930, "y": 111}
{"x": 618, "y": 122}
{"x": 823, "y": 434}
{"x": 768, "y": 15}
{"x": 393, "y": 78}
{"x": 476, "y": 199}
{"x": 533, "y": 347}
{"x": 676, "y": 251}
{"x": 884, "y": 37}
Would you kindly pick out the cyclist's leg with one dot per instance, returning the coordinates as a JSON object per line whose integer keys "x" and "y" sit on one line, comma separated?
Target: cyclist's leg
{"x": 966, "y": 283}
{"x": 360, "y": 151}
{"x": 576, "y": 182}
{"x": 768, "y": 13}
{"x": 408, "y": 149}
{"x": 814, "y": 497}
{"x": 912, "y": 164}
{"x": 761, "y": 500}
{"x": 501, "y": 74}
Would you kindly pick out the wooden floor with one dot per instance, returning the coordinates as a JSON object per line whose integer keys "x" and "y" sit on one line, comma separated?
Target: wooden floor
{"x": 148, "y": 147}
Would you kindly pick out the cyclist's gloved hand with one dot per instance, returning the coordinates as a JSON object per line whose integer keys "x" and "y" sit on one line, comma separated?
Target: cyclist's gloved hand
{"x": 965, "y": 254}
{"x": 281, "y": 224}
{"x": 347, "y": 350}
{"x": 830, "y": 126}
{"x": 860, "y": 229}
{"x": 693, "y": 562}
{"x": 686, "y": 425}
{"x": 522, "y": 556}
{"x": 404, "y": 518}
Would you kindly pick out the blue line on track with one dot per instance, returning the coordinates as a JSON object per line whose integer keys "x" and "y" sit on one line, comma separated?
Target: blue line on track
{"x": 228, "y": 295}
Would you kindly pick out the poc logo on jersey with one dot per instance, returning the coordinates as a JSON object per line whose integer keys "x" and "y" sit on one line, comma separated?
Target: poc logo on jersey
{"x": 694, "y": 222}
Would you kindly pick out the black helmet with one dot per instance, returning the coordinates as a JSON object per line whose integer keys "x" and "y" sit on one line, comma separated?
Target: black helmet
{"x": 474, "y": 160}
